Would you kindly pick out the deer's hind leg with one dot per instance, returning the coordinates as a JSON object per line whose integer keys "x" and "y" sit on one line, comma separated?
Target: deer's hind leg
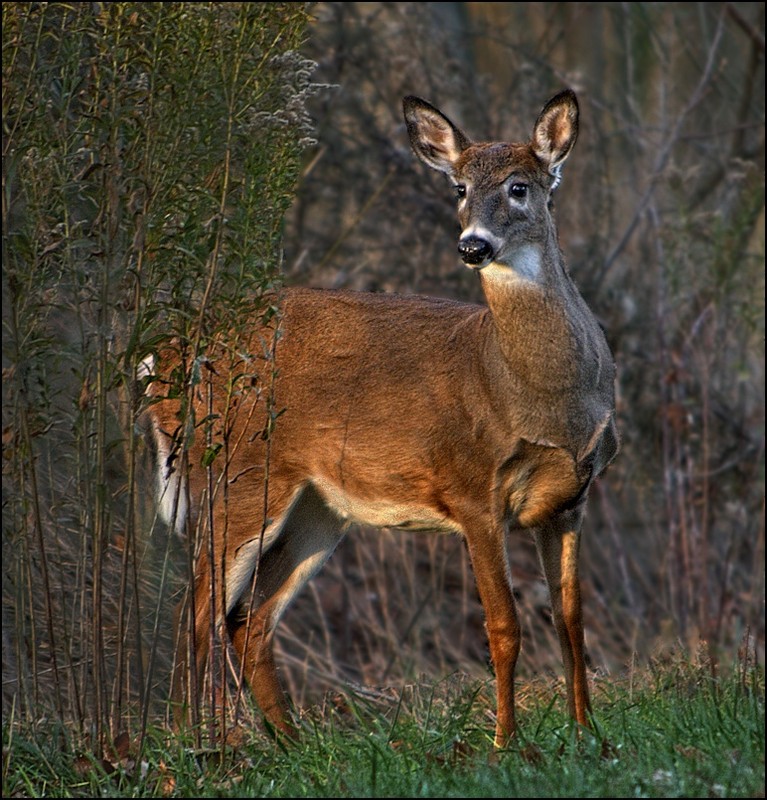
{"x": 192, "y": 626}
{"x": 308, "y": 535}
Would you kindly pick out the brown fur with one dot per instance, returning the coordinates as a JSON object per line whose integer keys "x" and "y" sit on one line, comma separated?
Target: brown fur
{"x": 412, "y": 412}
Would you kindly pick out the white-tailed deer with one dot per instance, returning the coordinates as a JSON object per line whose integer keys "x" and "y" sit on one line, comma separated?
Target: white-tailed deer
{"x": 407, "y": 412}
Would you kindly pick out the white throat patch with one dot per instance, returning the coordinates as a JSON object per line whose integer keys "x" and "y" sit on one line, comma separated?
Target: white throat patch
{"x": 525, "y": 265}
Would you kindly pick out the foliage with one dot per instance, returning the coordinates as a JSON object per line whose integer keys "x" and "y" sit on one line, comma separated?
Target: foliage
{"x": 150, "y": 153}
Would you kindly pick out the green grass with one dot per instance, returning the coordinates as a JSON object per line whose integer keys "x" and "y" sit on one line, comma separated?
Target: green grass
{"x": 674, "y": 731}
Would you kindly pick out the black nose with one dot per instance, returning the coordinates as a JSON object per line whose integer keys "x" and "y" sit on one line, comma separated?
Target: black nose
{"x": 474, "y": 250}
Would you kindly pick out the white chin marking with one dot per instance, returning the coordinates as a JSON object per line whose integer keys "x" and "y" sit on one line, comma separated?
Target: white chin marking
{"x": 524, "y": 264}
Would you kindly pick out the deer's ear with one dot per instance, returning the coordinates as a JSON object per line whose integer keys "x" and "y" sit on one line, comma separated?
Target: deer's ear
{"x": 556, "y": 130}
{"x": 433, "y": 137}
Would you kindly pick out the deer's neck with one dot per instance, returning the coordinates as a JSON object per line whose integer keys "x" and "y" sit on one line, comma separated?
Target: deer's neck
{"x": 537, "y": 319}
{"x": 551, "y": 357}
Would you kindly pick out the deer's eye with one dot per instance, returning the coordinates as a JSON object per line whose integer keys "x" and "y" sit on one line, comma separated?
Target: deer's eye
{"x": 460, "y": 191}
{"x": 518, "y": 190}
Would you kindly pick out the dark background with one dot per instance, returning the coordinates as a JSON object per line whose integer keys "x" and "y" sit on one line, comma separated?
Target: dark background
{"x": 661, "y": 220}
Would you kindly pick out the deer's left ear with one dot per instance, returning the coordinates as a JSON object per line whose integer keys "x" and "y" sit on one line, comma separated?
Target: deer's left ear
{"x": 556, "y": 130}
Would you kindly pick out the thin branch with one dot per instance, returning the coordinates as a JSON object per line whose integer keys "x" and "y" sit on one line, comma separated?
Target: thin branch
{"x": 664, "y": 154}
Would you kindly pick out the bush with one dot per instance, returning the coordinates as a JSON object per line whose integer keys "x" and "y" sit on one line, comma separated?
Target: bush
{"x": 150, "y": 153}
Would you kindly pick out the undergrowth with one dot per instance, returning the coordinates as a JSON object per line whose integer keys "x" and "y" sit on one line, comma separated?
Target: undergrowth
{"x": 673, "y": 730}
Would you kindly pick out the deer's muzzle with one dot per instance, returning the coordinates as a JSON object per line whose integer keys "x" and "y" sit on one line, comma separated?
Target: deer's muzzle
{"x": 475, "y": 251}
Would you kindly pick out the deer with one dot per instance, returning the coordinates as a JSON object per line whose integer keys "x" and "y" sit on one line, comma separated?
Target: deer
{"x": 404, "y": 412}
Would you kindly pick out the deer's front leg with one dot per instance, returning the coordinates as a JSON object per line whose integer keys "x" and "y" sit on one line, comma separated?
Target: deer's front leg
{"x": 558, "y": 552}
{"x": 487, "y": 548}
